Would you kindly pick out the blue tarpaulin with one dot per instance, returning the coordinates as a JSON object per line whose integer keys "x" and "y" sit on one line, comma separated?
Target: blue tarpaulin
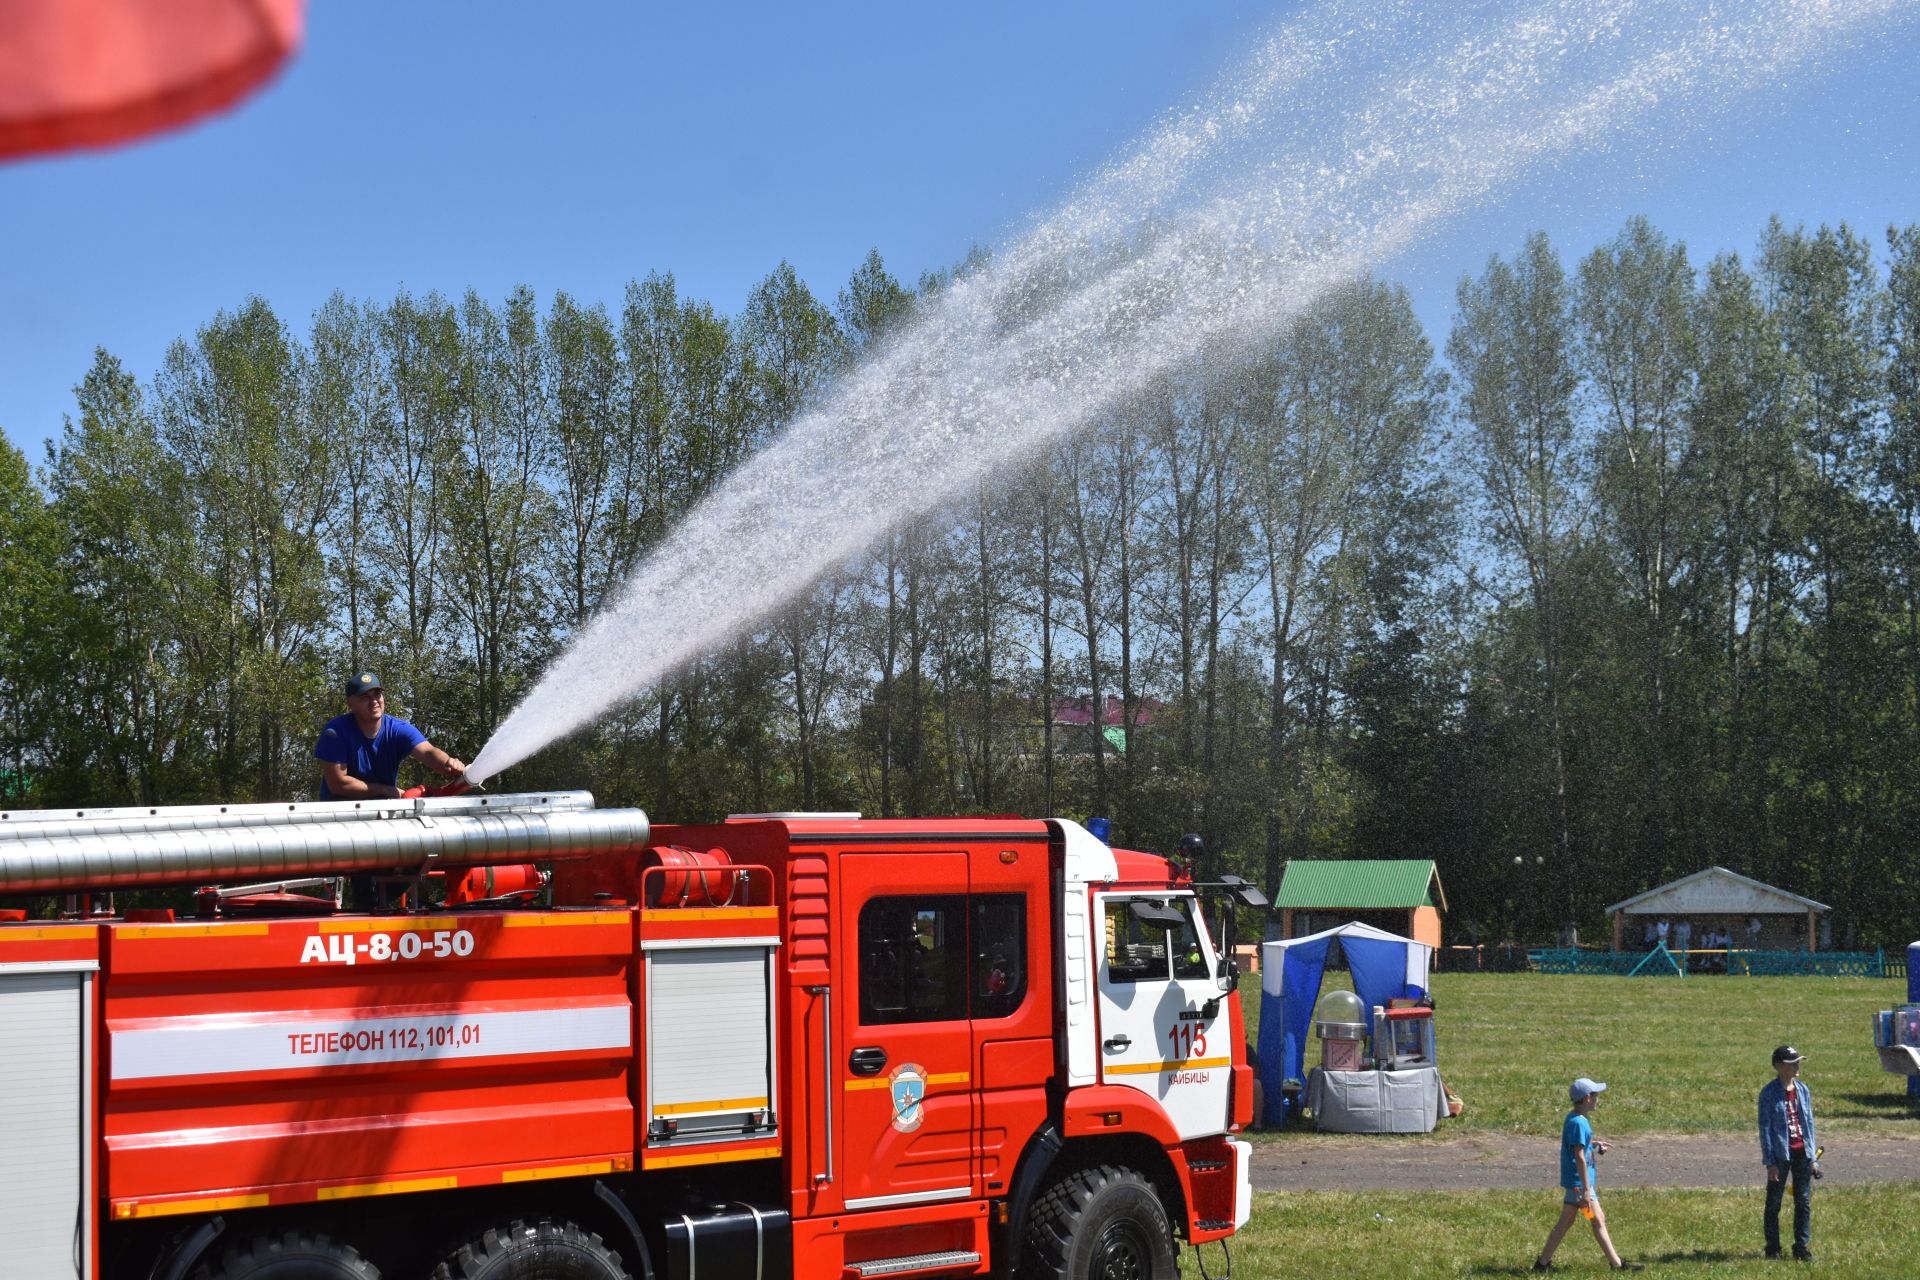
{"x": 1385, "y": 967}
{"x": 1913, "y": 994}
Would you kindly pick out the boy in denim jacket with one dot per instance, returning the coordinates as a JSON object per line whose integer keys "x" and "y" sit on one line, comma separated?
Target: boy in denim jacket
{"x": 1787, "y": 1148}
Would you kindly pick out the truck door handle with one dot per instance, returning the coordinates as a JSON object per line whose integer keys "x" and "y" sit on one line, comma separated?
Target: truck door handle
{"x": 825, "y": 992}
{"x": 868, "y": 1061}
{"x": 1119, "y": 1043}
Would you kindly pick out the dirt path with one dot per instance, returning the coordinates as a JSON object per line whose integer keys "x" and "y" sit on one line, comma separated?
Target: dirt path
{"x": 1493, "y": 1162}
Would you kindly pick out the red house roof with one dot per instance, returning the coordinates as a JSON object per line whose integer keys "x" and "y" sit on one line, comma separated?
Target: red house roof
{"x": 1079, "y": 711}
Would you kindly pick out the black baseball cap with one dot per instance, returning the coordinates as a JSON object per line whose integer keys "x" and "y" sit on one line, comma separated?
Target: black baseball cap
{"x": 365, "y": 682}
{"x": 1787, "y": 1053}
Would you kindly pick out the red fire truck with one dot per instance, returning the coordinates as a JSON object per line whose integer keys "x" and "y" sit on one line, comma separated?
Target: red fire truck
{"x": 801, "y": 1045}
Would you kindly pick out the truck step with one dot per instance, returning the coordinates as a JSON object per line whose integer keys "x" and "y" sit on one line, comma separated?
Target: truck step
{"x": 914, "y": 1262}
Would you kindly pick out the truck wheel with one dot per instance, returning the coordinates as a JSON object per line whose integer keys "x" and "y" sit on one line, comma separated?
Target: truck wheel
{"x": 293, "y": 1255}
{"x": 1101, "y": 1223}
{"x": 544, "y": 1250}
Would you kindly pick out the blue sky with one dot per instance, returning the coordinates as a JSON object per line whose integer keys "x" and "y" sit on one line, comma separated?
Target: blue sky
{"x": 578, "y": 146}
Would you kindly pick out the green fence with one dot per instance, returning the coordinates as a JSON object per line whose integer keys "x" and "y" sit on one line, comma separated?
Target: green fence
{"x": 1580, "y": 960}
{"x": 1831, "y": 964}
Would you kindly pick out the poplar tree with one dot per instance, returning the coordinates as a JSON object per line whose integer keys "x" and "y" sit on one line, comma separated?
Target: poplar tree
{"x": 144, "y": 632}
{"x": 1900, "y": 474}
{"x": 1203, "y": 570}
{"x": 872, "y": 306}
{"x": 419, "y": 351}
{"x": 499, "y": 516}
{"x": 582, "y": 366}
{"x": 1512, "y": 347}
{"x": 30, "y": 609}
{"x": 1632, "y": 310}
{"x": 1743, "y": 468}
{"x": 351, "y": 406}
{"x": 1823, "y": 289}
{"x": 265, "y": 480}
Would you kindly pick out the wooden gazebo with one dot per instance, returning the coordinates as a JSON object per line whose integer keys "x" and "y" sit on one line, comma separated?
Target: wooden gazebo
{"x": 1717, "y": 898}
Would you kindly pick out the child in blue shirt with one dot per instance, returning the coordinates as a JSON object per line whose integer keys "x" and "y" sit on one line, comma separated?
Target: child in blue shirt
{"x": 1578, "y": 1147}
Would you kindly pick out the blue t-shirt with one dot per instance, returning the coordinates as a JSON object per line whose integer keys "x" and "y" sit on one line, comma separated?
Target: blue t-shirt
{"x": 1576, "y": 1144}
{"x": 375, "y": 759}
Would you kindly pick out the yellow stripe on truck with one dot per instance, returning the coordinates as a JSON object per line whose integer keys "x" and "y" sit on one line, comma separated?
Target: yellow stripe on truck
{"x": 386, "y": 1188}
{"x": 215, "y": 1204}
{"x": 1155, "y": 1068}
{"x": 562, "y": 1171}
{"x": 882, "y": 1082}
{"x": 152, "y": 931}
{"x": 718, "y": 1104}
{"x": 663, "y": 915}
{"x": 714, "y": 1157}
{"x": 560, "y": 918}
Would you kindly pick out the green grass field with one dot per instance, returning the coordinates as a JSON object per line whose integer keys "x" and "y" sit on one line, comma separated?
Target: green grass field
{"x": 1680, "y": 1055}
{"x": 1859, "y": 1233}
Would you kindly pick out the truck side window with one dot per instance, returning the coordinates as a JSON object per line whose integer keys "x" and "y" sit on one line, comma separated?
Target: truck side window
{"x": 999, "y": 954}
{"x": 913, "y": 959}
{"x": 1189, "y": 958}
{"x": 1135, "y": 953}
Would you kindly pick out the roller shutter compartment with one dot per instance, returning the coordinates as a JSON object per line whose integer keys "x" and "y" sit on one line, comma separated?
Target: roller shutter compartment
{"x": 43, "y": 1081}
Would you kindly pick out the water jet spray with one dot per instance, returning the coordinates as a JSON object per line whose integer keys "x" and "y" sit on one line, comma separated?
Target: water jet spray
{"x": 1345, "y": 138}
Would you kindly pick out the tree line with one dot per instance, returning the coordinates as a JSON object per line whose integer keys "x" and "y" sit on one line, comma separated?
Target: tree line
{"x": 1620, "y": 582}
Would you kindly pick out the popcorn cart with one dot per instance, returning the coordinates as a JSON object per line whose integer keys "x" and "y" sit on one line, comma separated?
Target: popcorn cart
{"x": 1403, "y": 1038}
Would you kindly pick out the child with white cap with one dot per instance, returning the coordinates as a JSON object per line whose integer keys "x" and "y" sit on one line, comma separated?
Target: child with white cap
{"x": 1578, "y": 1147}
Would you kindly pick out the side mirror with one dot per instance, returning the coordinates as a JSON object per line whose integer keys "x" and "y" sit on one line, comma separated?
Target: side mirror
{"x": 1157, "y": 914}
{"x": 1243, "y": 893}
{"x": 1229, "y": 978}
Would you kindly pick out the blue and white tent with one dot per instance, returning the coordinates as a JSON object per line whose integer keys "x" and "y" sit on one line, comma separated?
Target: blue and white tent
{"x": 1385, "y": 967}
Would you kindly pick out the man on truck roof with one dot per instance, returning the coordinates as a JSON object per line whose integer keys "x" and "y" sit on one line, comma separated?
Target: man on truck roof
{"x": 360, "y": 752}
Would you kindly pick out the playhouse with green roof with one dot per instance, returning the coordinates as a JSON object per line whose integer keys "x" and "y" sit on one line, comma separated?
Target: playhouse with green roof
{"x": 1401, "y": 895}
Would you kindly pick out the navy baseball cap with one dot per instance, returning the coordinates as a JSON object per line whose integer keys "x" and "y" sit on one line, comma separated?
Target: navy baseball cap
{"x": 1582, "y": 1089}
{"x": 1787, "y": 1053}
{"x": 365, "y": 682}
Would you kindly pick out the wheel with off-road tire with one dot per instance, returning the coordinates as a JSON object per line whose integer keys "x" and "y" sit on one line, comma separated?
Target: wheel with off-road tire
{"x": 288, "y": 1255}
{"x": 546, "y": 1249}
{"x": 1099, "y": 1223}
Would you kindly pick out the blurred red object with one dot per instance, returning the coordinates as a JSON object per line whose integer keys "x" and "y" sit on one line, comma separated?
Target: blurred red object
{"x": 90, "y": 73}
{"x": 446, "y": 789}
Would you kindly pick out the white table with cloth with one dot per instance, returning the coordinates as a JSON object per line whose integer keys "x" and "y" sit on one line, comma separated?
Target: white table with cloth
{"x": 1409, "y": 1101}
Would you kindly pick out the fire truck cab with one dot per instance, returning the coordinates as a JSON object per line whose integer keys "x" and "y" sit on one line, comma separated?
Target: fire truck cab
{"x": 807, "y": 1045}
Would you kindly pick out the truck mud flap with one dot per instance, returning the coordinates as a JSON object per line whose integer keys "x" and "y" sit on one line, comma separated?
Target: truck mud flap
{"x": 1030, "y": 1177}
{"x": 643, "y": 1260}
{"x": 173, "y": 1263}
